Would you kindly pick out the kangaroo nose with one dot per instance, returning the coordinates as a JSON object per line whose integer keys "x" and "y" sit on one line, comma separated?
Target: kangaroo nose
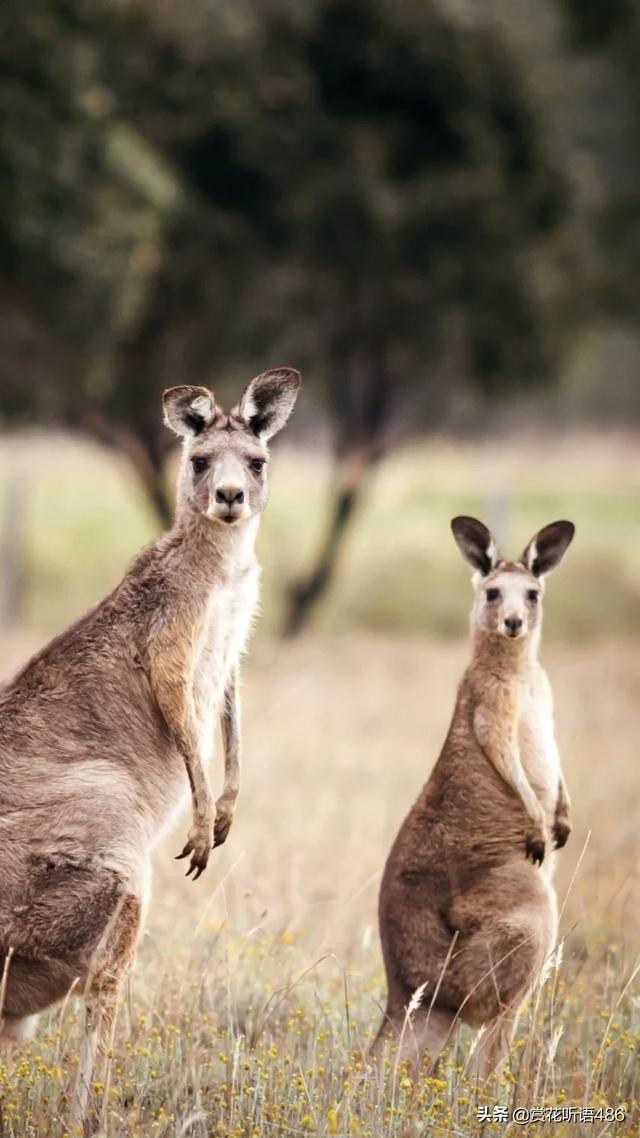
{"x": 230, "y": 494}
{"x": 513, "y": 623}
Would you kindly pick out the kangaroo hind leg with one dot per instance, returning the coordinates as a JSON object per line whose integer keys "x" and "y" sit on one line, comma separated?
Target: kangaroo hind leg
{"x": 422, "y": 1034}
{"x": 494, "y": 1042}
{"x": 110, "y": 965}
{"x": 18, "y": 1029}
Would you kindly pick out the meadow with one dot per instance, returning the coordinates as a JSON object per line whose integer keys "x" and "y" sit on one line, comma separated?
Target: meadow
{"x": 258, "y": 989}
{"x": 87, "y": 518}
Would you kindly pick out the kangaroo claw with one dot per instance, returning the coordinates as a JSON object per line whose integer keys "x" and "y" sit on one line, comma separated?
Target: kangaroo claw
{"x": 535, "y": 849}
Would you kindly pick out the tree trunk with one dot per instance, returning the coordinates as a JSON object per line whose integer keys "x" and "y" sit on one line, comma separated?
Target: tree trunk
{"x": 359, "y": 391}
{"x": 305, "y": 593}
{"x": 146, "y": 459}
{"x": 152, "y": 476}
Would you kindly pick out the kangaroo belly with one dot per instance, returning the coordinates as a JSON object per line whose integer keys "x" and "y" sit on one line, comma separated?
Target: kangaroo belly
{"x": 224, "y": 636}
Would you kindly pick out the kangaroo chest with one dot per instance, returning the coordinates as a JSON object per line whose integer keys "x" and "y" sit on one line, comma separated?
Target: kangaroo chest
{"x": 538, "y": 749}
{"x": 222, "y": 638}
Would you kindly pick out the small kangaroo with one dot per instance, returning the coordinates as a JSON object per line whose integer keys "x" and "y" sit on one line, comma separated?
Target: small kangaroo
{"x": 100, "y": 728}
{"x": 467, "y": 905}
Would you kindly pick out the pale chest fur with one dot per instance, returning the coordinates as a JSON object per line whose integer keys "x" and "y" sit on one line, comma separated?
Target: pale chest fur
{"x": 221, "y": 640}
{"x": 536, "y": 737}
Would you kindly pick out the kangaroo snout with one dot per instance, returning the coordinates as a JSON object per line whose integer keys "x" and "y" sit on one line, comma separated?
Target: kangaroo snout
{"x": 513, "y": 625}
{"x": 229, "y": 501}
{"x": 231, "y": 495}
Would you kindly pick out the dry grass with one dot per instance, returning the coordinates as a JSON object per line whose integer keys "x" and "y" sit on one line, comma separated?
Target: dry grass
{"x": 258, "y": 989}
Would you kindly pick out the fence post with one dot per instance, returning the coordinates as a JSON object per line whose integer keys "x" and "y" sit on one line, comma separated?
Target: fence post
{"x": 13, "y": 553}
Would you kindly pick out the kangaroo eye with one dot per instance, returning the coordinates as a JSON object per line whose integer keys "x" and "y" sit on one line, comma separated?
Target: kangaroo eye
{"x": 257, "y": 465}
{"x": 493, "y": 594}
{"x": 199, "y": 465}
{"x": 532, "y": 595}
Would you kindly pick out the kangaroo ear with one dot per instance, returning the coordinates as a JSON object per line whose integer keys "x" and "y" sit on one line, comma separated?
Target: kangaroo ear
{"x": 476, "y": 544}
{"x": 269, "y": 400}
{"x": 188, "y": 410}
{"x": 548, "y": 547}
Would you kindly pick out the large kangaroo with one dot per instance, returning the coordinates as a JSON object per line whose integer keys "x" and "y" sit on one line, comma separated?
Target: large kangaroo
{"x": 103, "y": 732}
{"x": 467, "y": 905}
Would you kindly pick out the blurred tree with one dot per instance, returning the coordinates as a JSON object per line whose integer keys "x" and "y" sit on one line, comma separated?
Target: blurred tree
{"x": 418, "y": 187}
{"x": 356, "y": 183}
{"x": 83, "y": 205}
{"x": 612, "y": 28}
{"x": 385, "y": 167}
{"x": 604, "y": 24}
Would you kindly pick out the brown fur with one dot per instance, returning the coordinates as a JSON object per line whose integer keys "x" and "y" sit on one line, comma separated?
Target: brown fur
{"x": 463, "y": 911}
{"x": 99, "y": 728}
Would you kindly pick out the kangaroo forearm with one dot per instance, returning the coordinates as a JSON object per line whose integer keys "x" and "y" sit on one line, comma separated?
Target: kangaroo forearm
{"x": 175, "y": 701}
{"x": 562, "y": 819}
{"x": 563, "y": 804}
{"x": 230, "y": 725}
{"x": 186, "y": 740}
{"x": 502, "y": 752}
{"x": 510, "y": 768}
{"x": 201, "y": 797}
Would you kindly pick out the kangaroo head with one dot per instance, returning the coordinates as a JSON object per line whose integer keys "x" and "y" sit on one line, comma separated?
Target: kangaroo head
{"x": 508, "y": 594}
{"x": 223, "y": 474}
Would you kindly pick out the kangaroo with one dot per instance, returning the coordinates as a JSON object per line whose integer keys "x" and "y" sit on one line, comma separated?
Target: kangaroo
{"x": 107, "y": 728}
{"x": 467, "y": 907}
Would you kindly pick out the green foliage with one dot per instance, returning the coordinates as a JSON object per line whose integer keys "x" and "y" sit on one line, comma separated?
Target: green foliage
{"x": 401, "y": 182}
{"x": 595, "y": 23}
{"x": 72, "y": 219}
{"x": 609, "y": 27}
{"x": 359, "y": 184}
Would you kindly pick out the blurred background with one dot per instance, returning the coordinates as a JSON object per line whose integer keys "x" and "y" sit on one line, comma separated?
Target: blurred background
{"x": 433, "y": 210}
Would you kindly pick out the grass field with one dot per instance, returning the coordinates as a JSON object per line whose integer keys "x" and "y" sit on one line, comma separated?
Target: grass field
{"x": 258, "y": 988}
